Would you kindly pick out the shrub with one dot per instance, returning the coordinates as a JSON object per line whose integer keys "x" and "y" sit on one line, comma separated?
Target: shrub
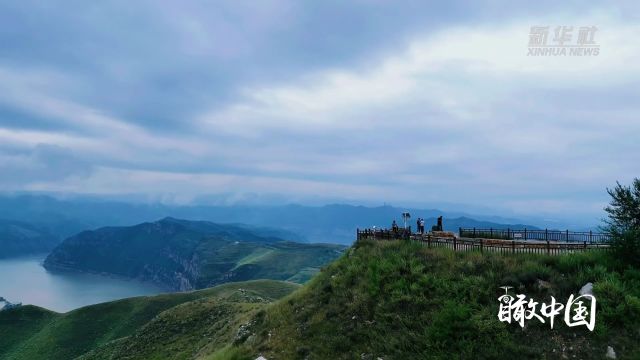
{"x": 624, "y": 222}
{"x": 626, "y": 247}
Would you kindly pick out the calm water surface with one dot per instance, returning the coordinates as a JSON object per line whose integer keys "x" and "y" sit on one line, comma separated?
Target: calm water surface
{"x": 25, "y": 280}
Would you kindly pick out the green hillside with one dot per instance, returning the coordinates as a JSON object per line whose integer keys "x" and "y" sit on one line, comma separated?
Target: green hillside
{"x": 34, "y": 333}
{"x": 186, "y": 255}
{"x": 397, "y": 300}
{"x": 387, "y": 300}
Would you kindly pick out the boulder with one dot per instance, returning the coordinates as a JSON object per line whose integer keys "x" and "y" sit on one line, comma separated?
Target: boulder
{"x": 244, "y": 332}
{"x": 587, "y": 289}
{"x": 541, "y": 284}
{"x": 611, "y": 354}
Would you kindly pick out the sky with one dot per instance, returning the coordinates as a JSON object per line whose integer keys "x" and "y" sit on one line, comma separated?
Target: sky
{"x": 364, "y": 102}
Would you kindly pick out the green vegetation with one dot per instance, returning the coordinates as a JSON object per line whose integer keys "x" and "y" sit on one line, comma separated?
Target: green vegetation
{"x": 400, "y": 300}
{"x": 164, "y": 326}
{"x": 187, "y": 255}
{"x": 624, "y": 222}
{"x": 19, "y": 324}
{"x": 385, "y": 299}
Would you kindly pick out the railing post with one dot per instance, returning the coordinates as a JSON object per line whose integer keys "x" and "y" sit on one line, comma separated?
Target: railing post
{"x": 481, "y": 246}
{"x": 455, "y": 245}
{"x": 513, "y": 246}
{"x": 525, "y": 233}
{"x": 548, "y": 247}
{"x": 591, "y": 236}
{"x": 546, "y": 234}
{"x": 474, "y": 232}
{"x": 429, "y": 240}
{"x": 508, "y": 233}
{"x": 491, "y": 232}
{"x": 567, "y": 235}
{"x": 460, "y": 231}
{"x": 585, "y": 245}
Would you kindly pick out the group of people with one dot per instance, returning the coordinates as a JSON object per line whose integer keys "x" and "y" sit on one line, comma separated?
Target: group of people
{"x": 420, "y": 225}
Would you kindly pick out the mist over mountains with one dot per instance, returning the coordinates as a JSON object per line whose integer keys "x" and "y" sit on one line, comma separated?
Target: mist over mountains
{"x": 335, "y": 223}
{"x": 18, "y": 238}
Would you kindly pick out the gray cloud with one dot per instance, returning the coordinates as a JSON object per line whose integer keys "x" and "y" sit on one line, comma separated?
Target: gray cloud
{"x": 362, "y": 100}
{"x": 41, "y": 164}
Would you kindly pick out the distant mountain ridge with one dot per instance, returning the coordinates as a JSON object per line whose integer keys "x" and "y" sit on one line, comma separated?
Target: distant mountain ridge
{"x": 334, "y": 223}
{"x": 186, "y": 255}
{"x": 21, "y": 238}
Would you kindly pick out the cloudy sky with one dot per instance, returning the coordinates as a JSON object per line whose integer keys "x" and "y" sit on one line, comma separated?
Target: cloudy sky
{"x": 402, "y": 102}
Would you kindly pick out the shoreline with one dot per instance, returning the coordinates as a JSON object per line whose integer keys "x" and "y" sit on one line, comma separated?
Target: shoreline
{"x": 61, "y": 290}
{"x": 60, "y": 269}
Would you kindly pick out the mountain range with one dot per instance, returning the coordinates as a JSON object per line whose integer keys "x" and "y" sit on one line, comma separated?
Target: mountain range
{"x": 20, "y": 238}
{"x": 185, "y": 255}
{"x": 56, "y": 219}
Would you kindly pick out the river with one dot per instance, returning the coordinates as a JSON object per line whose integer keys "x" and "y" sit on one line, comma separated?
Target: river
{"x": 24, "y": 280}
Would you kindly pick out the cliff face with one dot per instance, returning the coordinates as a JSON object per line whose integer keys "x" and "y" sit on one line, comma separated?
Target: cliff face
{"x": 185, "y": 255}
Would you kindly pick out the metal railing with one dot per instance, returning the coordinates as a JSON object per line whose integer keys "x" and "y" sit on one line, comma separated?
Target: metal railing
{"x": 384, "y": 234}
{"x": 542, "y": 235}
{"x": 503, "y": 246}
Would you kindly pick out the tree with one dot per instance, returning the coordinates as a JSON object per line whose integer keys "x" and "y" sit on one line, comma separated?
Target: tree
{"x": 624, "y": 222}
{"x": 624, "y": 209}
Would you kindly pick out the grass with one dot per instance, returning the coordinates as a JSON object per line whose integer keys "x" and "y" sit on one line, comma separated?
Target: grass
{"x": 36, "y": 333}
{"x": 180, "y": 332}
{"x": 399, "y": 300}
{"x": 282, "y": 261}
{"x": 20, "y": 325}
{"x": 279, "y": 261}
{"x": 186, "y": 255}
{"x": 255, "y": 256}
{"x": 389, "y": 300}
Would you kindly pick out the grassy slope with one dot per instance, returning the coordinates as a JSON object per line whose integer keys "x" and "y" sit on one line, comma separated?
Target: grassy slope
{"x": 182, "y": 332}
{"x": 41, "y": 334}
{"x": 402, "y": 301}
{"x": 18, "y": 326}
{"x": 280, "y": 261}
{"x": 393, "y": 300}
